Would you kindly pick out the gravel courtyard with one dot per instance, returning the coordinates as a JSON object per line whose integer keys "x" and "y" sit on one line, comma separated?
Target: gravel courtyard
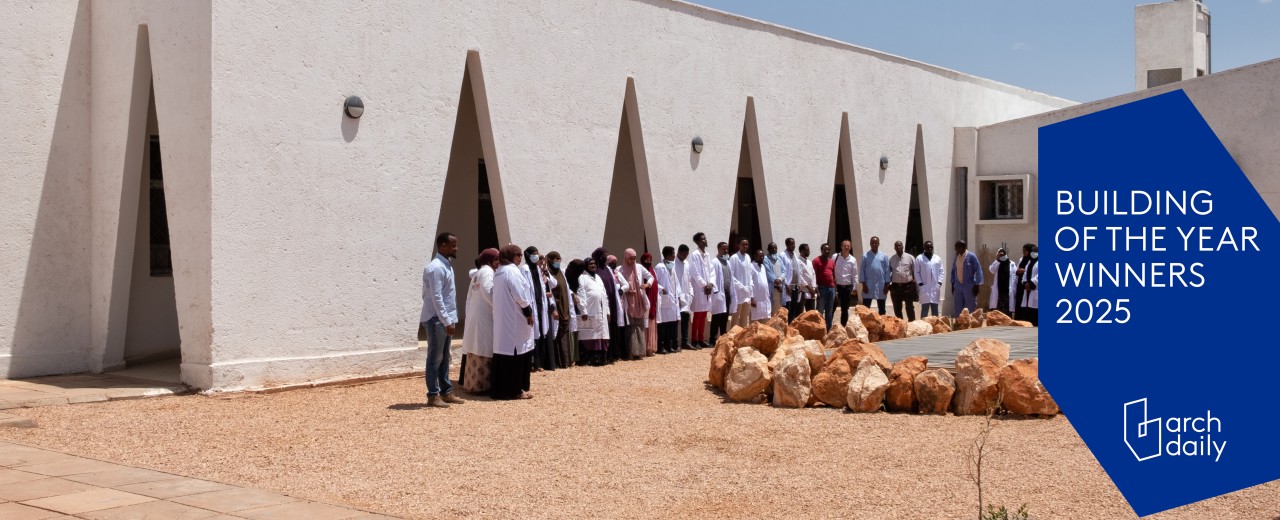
{"x": 641, "y": 439}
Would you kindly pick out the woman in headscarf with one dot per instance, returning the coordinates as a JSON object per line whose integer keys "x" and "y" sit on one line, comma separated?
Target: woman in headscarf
{"x": 651, "y": 329}
{"x": 637, "y": 281}
{"x": 1004, "y": 284}
{"x": 574, "y": 346}
{"x": 544, "y": 307}
{"x": 594, "y": 322}
{"x": 563, "y": 337}
{"x": 617, "y": 307}
{"x": 513, "y": 324}
{"x": 477, "y": 334}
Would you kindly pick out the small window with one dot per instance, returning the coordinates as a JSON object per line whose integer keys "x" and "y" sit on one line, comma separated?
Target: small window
{"x": 1158, "y": 77}
{"x": 161, "y": 260}
{"x": 1002, "y": 199}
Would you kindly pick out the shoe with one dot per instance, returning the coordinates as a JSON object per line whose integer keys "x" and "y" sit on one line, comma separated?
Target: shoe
{"x": 451, "y": 399}
{"x": 434, "y": 401}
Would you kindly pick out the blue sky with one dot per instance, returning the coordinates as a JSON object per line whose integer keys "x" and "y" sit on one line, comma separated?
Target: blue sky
{"x": 1077, "y": 49}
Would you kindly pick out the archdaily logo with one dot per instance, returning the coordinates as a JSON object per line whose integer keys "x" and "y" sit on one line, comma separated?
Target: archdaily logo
{"x": 1187, "y": 436}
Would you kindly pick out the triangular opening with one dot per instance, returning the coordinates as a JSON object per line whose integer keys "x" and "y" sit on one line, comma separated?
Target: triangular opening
{"x": 630, "y": 222}
{"x": 750, "y": 204}
{"x": 919, "y": 226}
{"x": 845, "y": 224}
{"x": 472, "y": 198}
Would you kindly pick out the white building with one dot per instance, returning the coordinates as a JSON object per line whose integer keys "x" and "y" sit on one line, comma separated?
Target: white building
{"x": 1173, "y": 42}
{"x": 296, "y": 235}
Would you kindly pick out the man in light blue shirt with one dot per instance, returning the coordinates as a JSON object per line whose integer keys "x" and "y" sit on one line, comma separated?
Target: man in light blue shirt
{"x": 875, "y": 276}
{"x": 439, "y": 316}
{"x": 777, "y": 271}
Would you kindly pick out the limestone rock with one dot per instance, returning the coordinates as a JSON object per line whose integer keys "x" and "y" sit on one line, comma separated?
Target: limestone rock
{"x": 1020, "y": 323}
{"x": 979, "y": 318}
{"x": 748, "y": 375}
{"x": 978, "y": 376}
{"x": 1021, "y": 390}
{"x": 940, "y": 325}
{"x": 867, "y": 387}
{"x": 893, "y": 328}
{"x": 831, "y": 385}
{"x": 811, "y": 325}
{"x": 782, "y": 312}
{"x": 964, "y": 321}
{"x": 901, "y": 395}
{"x": 934, "y": 389}
{"x": 779, "y": 324}
{"x": 919, "y": 328}
{"x": 721, "y": 359}
{"x": 760, "y": 337}
{"x": 856, "y": 330}
{"x": 835, "y": 337}
{"x": 786, "y": 347}
{"x": 816, "y": 355}
{"x": 791, "y": 380}
{"x": 870, "y": 321}
{"x": 998, "y": 319}
{"x": 853, "y": 351}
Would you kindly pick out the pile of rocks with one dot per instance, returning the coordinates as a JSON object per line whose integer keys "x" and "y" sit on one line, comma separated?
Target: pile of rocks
{"x": 802, "y": 364}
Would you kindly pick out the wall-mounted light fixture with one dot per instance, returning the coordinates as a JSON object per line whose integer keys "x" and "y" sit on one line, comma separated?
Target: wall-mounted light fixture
{"x": 354, "y": 107}
{"x": 697, "y": 145}
{"x": 884, "y": 162}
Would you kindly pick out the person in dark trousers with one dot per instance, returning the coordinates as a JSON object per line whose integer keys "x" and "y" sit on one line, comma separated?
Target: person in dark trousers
{"x": 682, "y": 276}
{"x": 720, "y": 313}
{"x": 1024, "y": 265}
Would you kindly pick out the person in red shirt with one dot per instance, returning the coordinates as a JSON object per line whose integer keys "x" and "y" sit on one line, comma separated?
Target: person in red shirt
{"x": 824, "y": 270}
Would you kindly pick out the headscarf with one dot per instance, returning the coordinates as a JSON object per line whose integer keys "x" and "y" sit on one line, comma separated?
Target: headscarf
{"x": 606, "y": 277}
{"x": 653, "y": 287}
{"x": 486, "y": 257}
{"x": 612, "y": 260}
{"x": 538, "y": 292}
{"x": 637, "y": 301}
{"x": 571, "y": 273}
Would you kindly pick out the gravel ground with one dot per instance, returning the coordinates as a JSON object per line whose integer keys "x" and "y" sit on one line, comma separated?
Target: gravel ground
{"x": 641, "y": 439}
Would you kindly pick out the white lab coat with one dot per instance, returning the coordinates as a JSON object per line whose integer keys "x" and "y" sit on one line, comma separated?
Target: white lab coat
{"x": 994, "y": 299}
{"x": 682, "y": 276}
{"x": 620, "y": 286}
{"x": 477, "y": 333}
{"x": 718, "y": 303}
{"x": 1031, "y": 299}
{"x": 670, "y": 293}
{"x": 761, "y": 289}
{"x": 512, "y": 333}
{"x": 644, "y": 277}
{"x": 786, "y": 277}
{"x": 929, "y": 278}
{"x": 595, "y": 306}
{"x": 704, "y": 270}
{"x": 744, "y": 280}
{"x": 807, "y": 278}
{"x": 548, "y": 283}
{"x": 796, "y": 267}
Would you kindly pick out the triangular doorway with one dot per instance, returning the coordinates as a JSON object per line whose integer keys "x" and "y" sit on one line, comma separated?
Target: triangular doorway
{"x": 845, "y": 221}
{"x": 472, "y": 207}
{"x": 630, "y": 222}
{"x": 750, "y": 218}
{"x": 919, "y": 223}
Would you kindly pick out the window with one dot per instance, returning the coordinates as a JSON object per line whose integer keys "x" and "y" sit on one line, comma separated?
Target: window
{"x": 1002, "y": 198}
{"x": 1008, "y": 200}
{"x": 161, "y": 261}
{"x": 1158, "y": 77}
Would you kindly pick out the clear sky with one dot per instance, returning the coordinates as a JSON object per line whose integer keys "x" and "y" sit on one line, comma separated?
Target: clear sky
{"x": 1081, "y": 50}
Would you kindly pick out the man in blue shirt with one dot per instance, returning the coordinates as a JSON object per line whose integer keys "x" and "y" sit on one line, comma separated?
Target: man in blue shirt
{"x": 439, "y": 316}
{"x": 875, "y": 276}
{"x": 966, "y": 278}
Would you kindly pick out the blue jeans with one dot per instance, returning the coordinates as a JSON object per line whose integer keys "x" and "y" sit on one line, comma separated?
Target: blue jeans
{"x": 928, "y": 308}
{"x": 437, "y": 370}
{"x": 827, "y": 304}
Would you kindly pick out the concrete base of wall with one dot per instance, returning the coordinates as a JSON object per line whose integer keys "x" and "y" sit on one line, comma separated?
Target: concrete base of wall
{"x": 271, "y": 373}
{"x": 36, "y": 365}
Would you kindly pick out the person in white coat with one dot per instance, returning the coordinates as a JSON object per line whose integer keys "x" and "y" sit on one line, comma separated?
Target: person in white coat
{"x": 743, "y": 271}
{"x": 635, "y": 281}
{"x": 670, "y": 296}
{"x": 795, "y": 302}
{"x": 1030, "y": 309}
{"x": 722, "y": 302}
{"x": 682, "y": 275}
{"x": 929, "y": 279}
{"x": 535, "y": 269}
{"x": 807, "y": 282}
{"x": 513, "y": 323}
{"x": 704, "y": 277}
{"x": 477, "y": 335}
{"x": 760, "y": 308}
{"x": 593, "y": 321}
{"x": 1004, "y": 283}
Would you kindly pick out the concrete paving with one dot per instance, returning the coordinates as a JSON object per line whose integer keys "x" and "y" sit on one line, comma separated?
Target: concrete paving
{"x": 941, "y": 349}
{"x": 80, "y": 388}
{"x": 39, "y": 484}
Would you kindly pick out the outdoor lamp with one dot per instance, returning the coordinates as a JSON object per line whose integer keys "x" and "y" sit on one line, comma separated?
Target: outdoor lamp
{"x": 354, "y": 107}
{"x": 884, "y": 162}
{"x": 697, "y": 145}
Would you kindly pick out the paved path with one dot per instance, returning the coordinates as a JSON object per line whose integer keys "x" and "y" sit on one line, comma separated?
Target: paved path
{"x": 37, "y": 484}
{"x": 80, "y": 388}
{"x": 941, "y": 349}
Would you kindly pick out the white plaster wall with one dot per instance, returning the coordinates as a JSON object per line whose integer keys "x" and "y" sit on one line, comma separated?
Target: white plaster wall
{"x": 1241, "y": 105}
{"x": 320, "y": 225}
{"x": 44, "y": 217}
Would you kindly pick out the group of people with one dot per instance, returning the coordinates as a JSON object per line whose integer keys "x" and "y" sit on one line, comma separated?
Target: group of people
{"x": 528, "y": 312}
